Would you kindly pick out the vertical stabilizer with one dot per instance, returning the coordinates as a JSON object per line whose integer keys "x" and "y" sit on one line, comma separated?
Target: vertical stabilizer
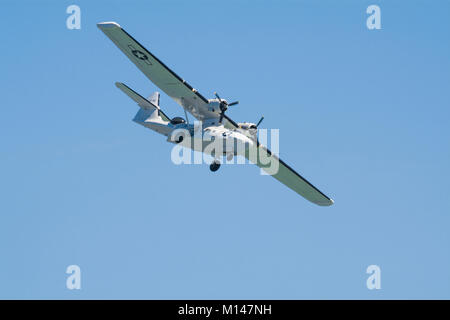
{"x": 145, "y": 104}
{"x": 154, "y": 98}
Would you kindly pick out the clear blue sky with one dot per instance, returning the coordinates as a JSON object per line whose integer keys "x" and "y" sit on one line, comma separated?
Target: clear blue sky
{"x": 364, "y": 115}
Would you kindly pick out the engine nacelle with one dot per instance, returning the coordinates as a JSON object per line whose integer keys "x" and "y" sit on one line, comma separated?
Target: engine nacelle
{"x": 247, "y": 125}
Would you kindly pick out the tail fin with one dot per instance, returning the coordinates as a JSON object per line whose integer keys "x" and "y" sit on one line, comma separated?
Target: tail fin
{"x": 142, "y": 102}
{"x": 154, "y": 98}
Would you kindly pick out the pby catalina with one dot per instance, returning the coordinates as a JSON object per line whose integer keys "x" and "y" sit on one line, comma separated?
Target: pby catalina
{"x": 211, "y": 112}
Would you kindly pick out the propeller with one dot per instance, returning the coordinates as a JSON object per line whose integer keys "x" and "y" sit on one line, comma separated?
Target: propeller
{"x": 223, "y": 105}
{"x": 259, "y": 122}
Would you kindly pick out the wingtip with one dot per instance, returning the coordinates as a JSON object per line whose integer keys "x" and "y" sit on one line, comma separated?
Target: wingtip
{"x": 327, "y": 203}
{"x": 108, "y": 24}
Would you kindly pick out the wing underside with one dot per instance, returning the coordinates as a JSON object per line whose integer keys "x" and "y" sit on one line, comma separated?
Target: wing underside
{"x": 289, "y": 177}
{"x": 161, "y": 75}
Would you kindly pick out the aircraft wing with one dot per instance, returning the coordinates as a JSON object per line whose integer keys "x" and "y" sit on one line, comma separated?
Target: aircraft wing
{"x": 163, "y": 77}
{"x": 289, "y": 177}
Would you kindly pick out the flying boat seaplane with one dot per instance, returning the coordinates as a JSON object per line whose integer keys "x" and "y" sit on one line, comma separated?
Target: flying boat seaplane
{"x": 216, "y": 124}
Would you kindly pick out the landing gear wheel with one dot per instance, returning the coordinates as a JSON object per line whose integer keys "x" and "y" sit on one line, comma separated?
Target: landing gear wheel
{"x": 214, "y": 166}
{"x": 180, "y": 138}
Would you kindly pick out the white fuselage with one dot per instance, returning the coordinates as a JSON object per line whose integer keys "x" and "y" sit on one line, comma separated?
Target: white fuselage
{"x": 200, "y": 135}
{"x": 229, "y": 142}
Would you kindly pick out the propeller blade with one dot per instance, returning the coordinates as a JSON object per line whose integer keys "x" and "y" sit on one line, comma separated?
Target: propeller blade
{"x": 233, "y": 103}
{"x": 221, "y": 117}
{"x": 215, "y": 93}
{"x": 231, "y": 121}
{"x": 259, "y": 122}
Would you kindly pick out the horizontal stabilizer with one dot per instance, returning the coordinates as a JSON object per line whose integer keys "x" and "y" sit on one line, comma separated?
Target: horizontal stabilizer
{"x": 140, "y": 100}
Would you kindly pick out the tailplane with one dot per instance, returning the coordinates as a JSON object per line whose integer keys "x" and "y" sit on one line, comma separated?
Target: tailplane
{"x": 150, "y": 114}
{"x": 149, "y": 105}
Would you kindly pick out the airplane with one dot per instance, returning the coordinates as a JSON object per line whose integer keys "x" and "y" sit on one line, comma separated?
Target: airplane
{"x": 210, "y": 112}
